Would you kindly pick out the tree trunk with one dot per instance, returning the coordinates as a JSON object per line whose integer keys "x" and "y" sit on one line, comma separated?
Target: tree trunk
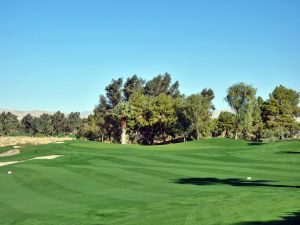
{"x": 123, "y": 136}
{"x": 223, "y": 134}
{"x": 198, "y": 135}
{"x": 236, "y": 134}
{"x": 123, "y": 125}
{"x": 136, "y": 138}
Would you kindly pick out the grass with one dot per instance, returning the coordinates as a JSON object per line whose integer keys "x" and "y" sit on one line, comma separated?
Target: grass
{"x": 202, "y": 182}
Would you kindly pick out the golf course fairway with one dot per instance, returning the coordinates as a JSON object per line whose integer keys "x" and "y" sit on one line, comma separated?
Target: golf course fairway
{"x": 214, "y": 181}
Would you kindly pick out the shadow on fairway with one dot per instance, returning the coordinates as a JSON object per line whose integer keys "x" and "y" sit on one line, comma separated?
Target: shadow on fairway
{"x": 256, "y": 143}
{"x": 290, "y": 152}
{"x": 230, "y": 181}
{"x": 292, "y": 219}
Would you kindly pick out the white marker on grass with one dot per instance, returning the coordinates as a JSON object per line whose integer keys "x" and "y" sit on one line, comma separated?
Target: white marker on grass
{"x": 9, "y": 172}
{"x": 249, "y": 178}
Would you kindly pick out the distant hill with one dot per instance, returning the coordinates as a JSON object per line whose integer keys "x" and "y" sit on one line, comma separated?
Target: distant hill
{"x": 84, "y": 114}
{"x": 20, "y": 113}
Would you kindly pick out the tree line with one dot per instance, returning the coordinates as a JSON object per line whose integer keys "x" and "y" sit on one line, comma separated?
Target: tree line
{"x": 46, "y": 124}
{"x": 155, "y": 111}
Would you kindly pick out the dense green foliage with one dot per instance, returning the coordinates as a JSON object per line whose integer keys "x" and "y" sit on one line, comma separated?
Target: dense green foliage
{"x": 279, "y": 112}
{"x": 56, "y": 124}
{"x": 152, "y": 112}
{"x": 225, "y": 124}
{"x": 155, "y": 111}
{"x": 201, "y": 182}
{"x": 8, "y": 123}
{"x": 241, "y": 98}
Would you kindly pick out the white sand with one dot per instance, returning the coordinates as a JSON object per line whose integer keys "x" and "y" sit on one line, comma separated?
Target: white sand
{"x": 9, "y": 163}
{"x": 10, "y": 152}
{"x": 47, "y": 157}
{"x": 22, "y": 140}
{"x": 39, "y": 157}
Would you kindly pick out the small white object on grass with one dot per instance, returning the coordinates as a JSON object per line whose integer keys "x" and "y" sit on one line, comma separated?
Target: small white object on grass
{"x": 9, "y": 172}
{"x": 249, "y": 178}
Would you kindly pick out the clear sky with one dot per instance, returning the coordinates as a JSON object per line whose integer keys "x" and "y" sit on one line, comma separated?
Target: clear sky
{"x": 59, "y": 55}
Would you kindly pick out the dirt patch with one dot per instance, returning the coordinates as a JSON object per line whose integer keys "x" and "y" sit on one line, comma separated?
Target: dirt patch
{"x": 16, "y": 141}
{"x": 39, "y": 157}
{"x": 10, "y": 152}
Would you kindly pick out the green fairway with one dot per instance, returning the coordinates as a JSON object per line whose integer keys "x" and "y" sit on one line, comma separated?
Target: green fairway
{"x": 202, "y": 182}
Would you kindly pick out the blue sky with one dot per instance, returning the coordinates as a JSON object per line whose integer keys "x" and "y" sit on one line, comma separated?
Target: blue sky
{"x": 60, "y": 55}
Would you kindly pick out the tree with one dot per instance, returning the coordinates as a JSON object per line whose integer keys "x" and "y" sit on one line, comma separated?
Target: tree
{"x": 43, "y": 124}
{"x": 154, "y": 112}
{"x": 198, "y": 111}
{"x": 151, "y": 117}
{"x": 241, "y": 98}
{"x": 208, "y": 93}
{"x": 59, "y": 123}
{"x": 8, "y": 123}
{"x": 121, "y": 112}
{"x": 73, "y": 122}
{"x": 281, "y": 110}
{"x": 138, "y": 104}
{"x": 28, "y": 124}
{"x": 132, "y": 84}
{"x": 89, "y": 129}
{"x": 161, "y": 84}
{"x": 174, "y": 90}
{"x": 225, "y": 123}
{"x": 162, "y": 117}
{"x": 100, "y": 115}
{"x": 113, "y": 92}
{"x": 183, "y": 123}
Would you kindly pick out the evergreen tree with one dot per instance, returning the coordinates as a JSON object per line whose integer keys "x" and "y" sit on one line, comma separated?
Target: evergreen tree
{"x": 8, "y": 123}
{"x": 225, "y": 123}
{"x": 59, "y": 123}
{"x": 43, "y": 124}
{"x": 113, "y": 92}
{"x": 281, "y": 110}
{"x": 161, "y": 84}
{"x": 132, "y": 84}
{"x": 28, "y": 124}
{"x": 73, "y": 122}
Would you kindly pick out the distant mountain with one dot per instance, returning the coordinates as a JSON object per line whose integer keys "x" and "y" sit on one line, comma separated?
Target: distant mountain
{"x": 84, "y": 114}
{"x": 20, "y": 114}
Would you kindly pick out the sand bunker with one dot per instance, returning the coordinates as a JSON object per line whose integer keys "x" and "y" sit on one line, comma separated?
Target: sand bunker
{"x": 10, "y": 152}
{"x": 39, "y": 157}
{"x": 9, "y": 163}
{"x": 22, "y": 140}
{"x": 47, "y": 157}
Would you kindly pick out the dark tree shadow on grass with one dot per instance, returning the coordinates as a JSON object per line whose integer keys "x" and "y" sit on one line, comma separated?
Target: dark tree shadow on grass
{"x": 230, "y": 181}
{"x": 256, "y": 143}
{"x": 290, "y": 152}
{"x": 291, "y": 219}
